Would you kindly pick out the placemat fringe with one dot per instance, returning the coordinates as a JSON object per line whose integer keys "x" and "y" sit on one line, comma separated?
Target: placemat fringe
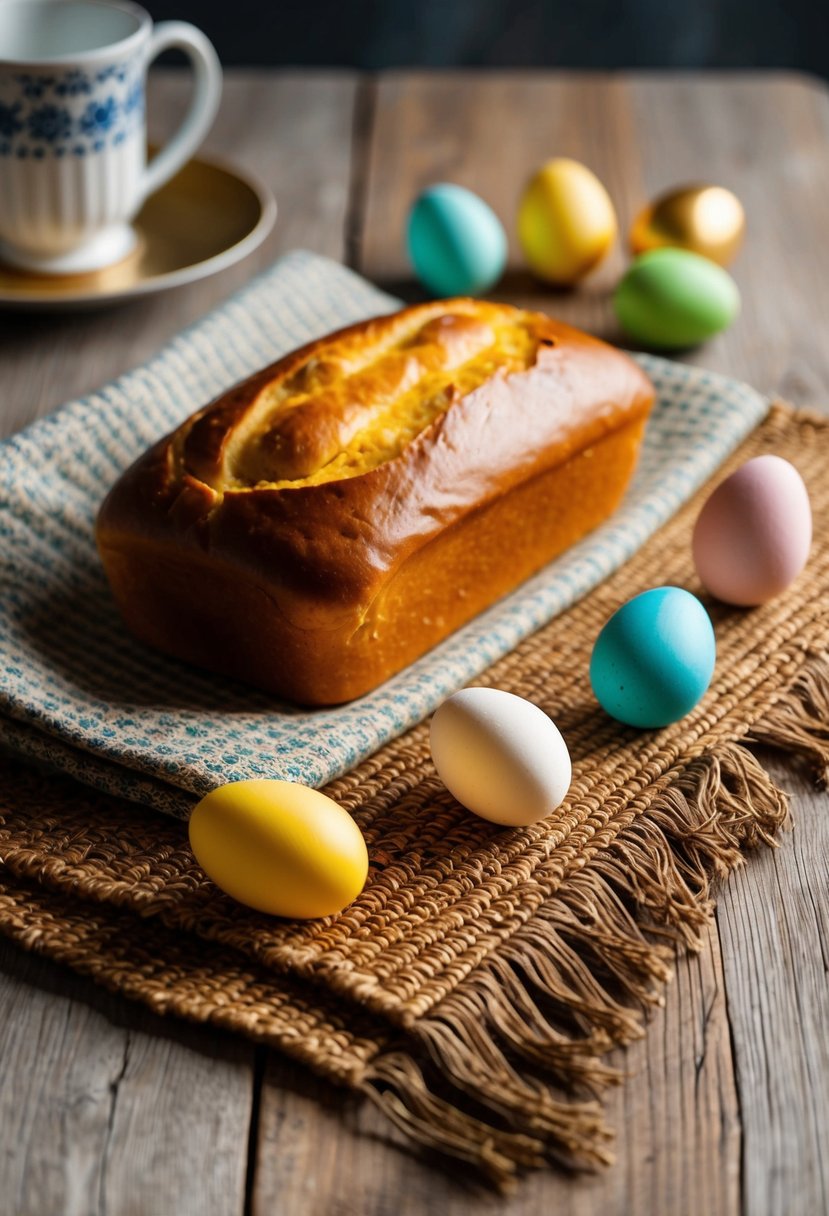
{"x": 397, "y": 1086}
{"x": 798, "y": 722}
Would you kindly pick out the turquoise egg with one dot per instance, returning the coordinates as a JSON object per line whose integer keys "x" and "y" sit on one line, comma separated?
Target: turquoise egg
{"x": 457, "y": 244}
{"x": 672, "y": 298}
{"x": 654, "y": 659}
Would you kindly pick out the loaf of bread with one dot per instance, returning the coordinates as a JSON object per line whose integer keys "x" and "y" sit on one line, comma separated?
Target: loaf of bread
{"x": 330, "y": 519}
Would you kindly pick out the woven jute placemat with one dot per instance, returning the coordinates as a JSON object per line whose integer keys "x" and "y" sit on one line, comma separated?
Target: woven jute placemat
{"x": 473, "y": 988}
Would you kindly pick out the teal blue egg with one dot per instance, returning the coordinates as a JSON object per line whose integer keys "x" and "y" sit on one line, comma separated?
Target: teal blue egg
{"x": 457, "y": 244}
{"x": 672, "y": 298}
{"x": 654, "y": 659}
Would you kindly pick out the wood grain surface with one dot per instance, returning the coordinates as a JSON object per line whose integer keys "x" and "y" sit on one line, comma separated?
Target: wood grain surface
{"x": 725, "y": 1110}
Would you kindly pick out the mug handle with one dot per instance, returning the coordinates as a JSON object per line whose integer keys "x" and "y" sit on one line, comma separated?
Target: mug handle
{"x": 207, "y": 92}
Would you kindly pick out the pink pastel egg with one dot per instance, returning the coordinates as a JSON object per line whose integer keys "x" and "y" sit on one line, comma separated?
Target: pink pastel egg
{"x": 753, "y": 535}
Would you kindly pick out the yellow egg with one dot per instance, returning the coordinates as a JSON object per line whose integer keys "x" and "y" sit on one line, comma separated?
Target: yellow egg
{"x": 279, "y": 847}
{"x": 566, "y": 221}
{"x": 708, "y": 220}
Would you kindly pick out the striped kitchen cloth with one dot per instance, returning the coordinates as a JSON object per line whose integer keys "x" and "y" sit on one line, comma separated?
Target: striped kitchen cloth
{"x": 78, "y": 693}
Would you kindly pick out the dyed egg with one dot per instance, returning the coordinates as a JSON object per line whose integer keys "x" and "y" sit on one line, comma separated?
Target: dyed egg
{"x": 500, "y": 756}
{"x": 457, "y": 244}
{"x": 279, "y": 847}
{"x": 708, "y": 220}
{"x": 654, "y": 658}
{"x": 566, "y": 221}
{"x": 672, "y": 298}
{"x": 753, "y": 535}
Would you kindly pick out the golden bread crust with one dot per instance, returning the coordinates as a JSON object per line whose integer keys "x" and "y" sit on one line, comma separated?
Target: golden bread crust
{"x": 272, "y": 535}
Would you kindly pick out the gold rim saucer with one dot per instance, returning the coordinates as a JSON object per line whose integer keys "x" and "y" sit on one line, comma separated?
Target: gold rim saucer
{"x": 203, "y": 220}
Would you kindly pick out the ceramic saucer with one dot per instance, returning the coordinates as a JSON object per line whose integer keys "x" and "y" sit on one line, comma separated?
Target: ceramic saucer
{"x": 203, "y": 220}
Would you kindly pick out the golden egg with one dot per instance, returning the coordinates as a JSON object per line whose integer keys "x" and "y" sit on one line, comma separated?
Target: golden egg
{"x": 704, "y": 219}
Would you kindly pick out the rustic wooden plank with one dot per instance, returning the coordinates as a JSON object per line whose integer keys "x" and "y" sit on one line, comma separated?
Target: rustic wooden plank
{"x": 489, "y": 133}
{"x": 677, "y": 1114}
{"x": 110, "y": 1110}
{"x": 764, "y": 136}
{"x": 767, "y": 141}
{"x": 293, "y": 131}
{"x": 774, "y": 922}
{"x": 104, "y": 1109}
{"x": 322, "y": 1152}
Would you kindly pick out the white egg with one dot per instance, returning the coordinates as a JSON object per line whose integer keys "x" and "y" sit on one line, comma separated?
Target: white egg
{"x": 500, "y": 755}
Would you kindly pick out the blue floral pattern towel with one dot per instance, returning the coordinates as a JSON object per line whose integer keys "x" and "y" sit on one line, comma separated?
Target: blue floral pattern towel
{"x": 78, "y": 693}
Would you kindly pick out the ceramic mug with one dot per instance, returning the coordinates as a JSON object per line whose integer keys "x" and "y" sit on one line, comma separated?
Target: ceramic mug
{"x": 73, "y": 149}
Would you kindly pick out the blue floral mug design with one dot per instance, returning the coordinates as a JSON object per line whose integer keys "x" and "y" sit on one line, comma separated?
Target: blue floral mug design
{"x": 73, "y": 171}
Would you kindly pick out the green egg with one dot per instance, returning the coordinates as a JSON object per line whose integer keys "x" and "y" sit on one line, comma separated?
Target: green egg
{"x": 672, "y": 298}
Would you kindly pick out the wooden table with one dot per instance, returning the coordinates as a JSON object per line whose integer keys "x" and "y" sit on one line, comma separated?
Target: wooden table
{"x": 107, "y": 1109}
